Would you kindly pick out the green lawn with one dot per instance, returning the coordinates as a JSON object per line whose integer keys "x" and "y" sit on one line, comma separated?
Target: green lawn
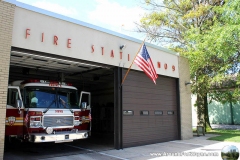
{"x": 225, "y": 135}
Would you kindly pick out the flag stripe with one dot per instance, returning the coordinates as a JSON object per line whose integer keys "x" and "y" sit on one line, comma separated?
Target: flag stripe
{"x": 146, "y": 70}
{"x": 148, "y": 74}
{"x": 153, "y": 69}
{"x": 144, "y": 66}
{"x": 143, "y": 63}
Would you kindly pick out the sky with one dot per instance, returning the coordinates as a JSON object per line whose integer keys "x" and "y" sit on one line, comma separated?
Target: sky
{"x": 115, "y": 15}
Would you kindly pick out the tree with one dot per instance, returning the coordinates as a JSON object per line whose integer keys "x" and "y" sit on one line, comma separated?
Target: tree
{"x": 207, "y": 33}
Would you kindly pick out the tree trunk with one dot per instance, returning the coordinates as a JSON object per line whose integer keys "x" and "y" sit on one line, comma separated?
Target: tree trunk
{"x": 207, "y": 124}
{"x": 202, "y": 112}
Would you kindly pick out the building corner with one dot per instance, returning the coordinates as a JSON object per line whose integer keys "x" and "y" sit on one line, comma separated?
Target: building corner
{"x": 185, "y": 99}
{"x": 6, "y": 20}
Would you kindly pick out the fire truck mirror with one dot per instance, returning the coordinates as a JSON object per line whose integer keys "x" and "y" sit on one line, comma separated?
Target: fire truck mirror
{"x": 19, "y": 104}
{"x": 84, "y": 105}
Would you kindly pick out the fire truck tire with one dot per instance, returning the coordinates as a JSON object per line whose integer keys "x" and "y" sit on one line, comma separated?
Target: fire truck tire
{"x": 10, "y": 140}
{"x": 11, "y": 143}
{"x": 7, "y": 140}
{"x": 6, "y": 143}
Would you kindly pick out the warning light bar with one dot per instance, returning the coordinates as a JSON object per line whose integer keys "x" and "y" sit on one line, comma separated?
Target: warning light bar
{"x": 51, "y": 83}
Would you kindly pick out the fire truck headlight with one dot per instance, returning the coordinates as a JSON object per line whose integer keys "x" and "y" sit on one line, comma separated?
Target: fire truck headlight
{"x": 49, "y": 130}
{"x": 31, "y": 124}
{"x": 76, "y": 123}
{"x": 35, "y": 121}
{"x": 37, "y": 124}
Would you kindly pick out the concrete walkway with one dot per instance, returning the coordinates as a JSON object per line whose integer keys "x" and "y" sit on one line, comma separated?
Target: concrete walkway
{"x": 195, "y": 148}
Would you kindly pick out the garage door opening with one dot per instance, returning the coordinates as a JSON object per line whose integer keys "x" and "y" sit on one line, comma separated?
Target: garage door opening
{"x": 98, "y": 79}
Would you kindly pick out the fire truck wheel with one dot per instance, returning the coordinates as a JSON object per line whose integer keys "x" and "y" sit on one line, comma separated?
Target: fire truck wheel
{"x": 10, "y": 140}
{"x": 6, "y": 143}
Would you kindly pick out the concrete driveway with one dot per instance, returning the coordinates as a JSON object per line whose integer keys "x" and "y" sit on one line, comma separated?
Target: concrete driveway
{"x": 195, "y": 148}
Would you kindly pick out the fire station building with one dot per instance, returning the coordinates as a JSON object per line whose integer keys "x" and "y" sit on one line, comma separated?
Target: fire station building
{"x": 38, "y": 44}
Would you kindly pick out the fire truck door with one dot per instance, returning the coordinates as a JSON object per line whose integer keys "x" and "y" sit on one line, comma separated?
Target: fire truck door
{"x": 14, "y": 113}
{"x": 85, "y": 104}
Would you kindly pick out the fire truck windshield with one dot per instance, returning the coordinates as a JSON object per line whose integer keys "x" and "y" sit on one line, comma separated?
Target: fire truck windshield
{"x": 50, "y": 97}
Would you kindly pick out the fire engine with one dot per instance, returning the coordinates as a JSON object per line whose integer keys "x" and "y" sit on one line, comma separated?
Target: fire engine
{"x": 47, "y": 111}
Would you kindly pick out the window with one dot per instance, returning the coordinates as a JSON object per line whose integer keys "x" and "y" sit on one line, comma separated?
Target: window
{"x": 67, "y": 98}
{"x": 85, "y": 98}
{"x": 128, "y": 113}
{"x": 158, "y": 113}
{"x": 50, "y": 97}
{"x": 144, "y": 113}
{"x": 12, "y": 97}
{"x": 170, "y": 112}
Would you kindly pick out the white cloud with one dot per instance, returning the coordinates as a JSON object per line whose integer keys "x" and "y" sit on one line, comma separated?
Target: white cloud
{"x": 114, "y": 15}
{"x": 67, "y": 11}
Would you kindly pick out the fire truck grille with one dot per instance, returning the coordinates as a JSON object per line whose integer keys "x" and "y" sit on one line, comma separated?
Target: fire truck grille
{"x": 57, "y": 121}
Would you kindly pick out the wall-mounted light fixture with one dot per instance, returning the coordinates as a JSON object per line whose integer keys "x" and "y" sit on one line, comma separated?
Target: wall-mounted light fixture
{"x": 122, "y": 46}
{"x": 187, "y": 83}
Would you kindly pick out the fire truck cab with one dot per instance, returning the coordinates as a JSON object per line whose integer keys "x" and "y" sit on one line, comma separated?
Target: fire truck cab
{"x": 47, "y": 111}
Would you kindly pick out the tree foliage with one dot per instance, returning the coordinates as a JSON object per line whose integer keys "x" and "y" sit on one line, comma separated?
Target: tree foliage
{"x": 207, "y": 32}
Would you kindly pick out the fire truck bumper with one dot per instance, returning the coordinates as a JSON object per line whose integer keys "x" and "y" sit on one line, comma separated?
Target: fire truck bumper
{"x": 58, "y": 137}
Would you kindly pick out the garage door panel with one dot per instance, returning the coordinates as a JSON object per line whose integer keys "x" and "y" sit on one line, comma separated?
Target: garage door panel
{"x": 166, "y": 105}
{"x": 161, "y": 127}
{"x": 133, "y": 75}
{"x": 141, "y": 130}
{"x": 136, "y": 137}
{"x": 161, "y": 81}
{"x": 160, "y": 84}
{"x": 145, "y": 89}
{"x": 158, "y": 126}
{"x": 155, "y": 134}
{"x": 145, "y": 85}
{"x": 138, "y": 103}
{"x": 141, "y": 94}
{"x": 161, "y": 102}
{"x": 139, "y": 143}
{"x": 149, "y": 124}
{"x": 150, "y": 100}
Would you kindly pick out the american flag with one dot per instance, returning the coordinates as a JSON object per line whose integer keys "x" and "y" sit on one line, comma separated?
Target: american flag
{"x": 26, "y": 117}
{"x": 144, "y": 62}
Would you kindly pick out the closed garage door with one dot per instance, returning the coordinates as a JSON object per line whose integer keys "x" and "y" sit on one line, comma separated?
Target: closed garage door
{"x": 149, "y": 110}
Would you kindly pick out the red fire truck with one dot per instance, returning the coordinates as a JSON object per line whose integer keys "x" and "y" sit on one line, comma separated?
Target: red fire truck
{"x": 47, "y": 111}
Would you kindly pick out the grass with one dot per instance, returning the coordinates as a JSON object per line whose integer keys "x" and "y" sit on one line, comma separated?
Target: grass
{"x": 228, "y": 158}
{"x": 225, "y": 135}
